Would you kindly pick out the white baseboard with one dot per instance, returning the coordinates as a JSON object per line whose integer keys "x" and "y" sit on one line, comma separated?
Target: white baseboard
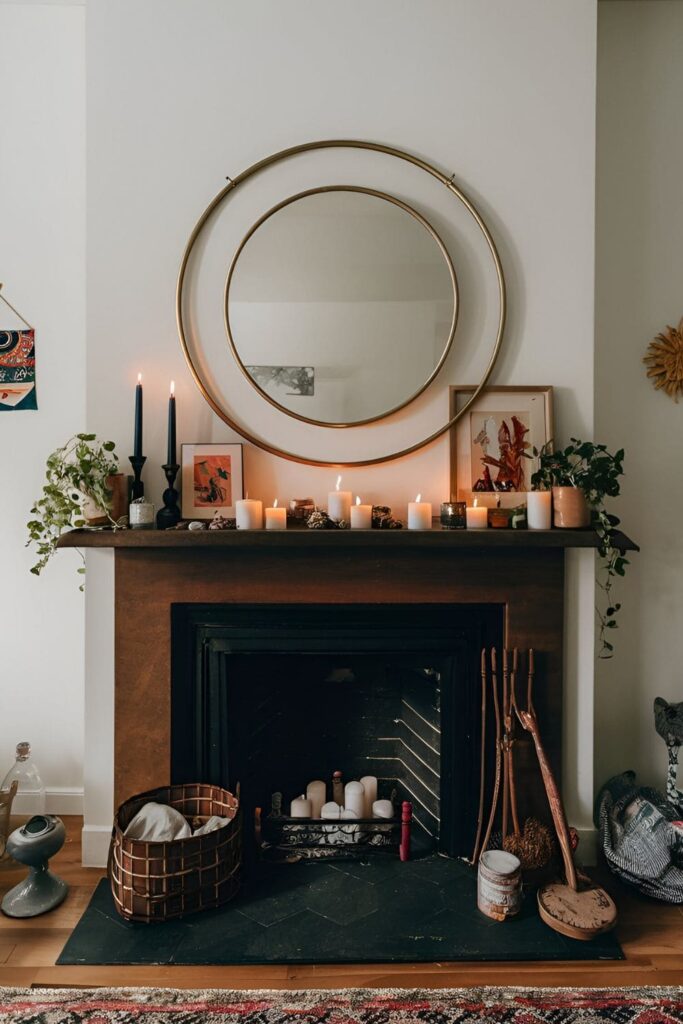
{"x": 64, "y": 800}
{"x": 95, "y": 840}
{"x": 587, "y": 850}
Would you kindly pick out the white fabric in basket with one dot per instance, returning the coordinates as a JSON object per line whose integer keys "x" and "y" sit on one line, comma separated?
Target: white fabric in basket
{"x": 158, "y": 823}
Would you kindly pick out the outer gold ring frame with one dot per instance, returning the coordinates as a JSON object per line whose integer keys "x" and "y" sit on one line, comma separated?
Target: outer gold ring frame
{"x": 369, "y": 192}
{"x": 269, "y": 161}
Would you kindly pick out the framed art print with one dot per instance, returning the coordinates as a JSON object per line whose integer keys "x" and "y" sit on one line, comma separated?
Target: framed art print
{"x": 492, "y": 444}
{"x": 212, "y": 479}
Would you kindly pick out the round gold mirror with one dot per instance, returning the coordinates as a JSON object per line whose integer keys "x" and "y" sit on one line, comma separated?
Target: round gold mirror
{"x": 341, "y": 305}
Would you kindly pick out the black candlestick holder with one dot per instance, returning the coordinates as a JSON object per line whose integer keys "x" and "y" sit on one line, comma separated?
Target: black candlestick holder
{"x": 138, "y": 488}
{"x": 169, "y": 515}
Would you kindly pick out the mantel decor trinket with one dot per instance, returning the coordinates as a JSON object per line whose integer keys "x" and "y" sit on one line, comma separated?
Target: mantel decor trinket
{"x": 141, "y": 514}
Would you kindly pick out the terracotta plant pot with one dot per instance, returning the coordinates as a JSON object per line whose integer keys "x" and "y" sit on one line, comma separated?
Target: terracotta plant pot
{"x": 96, "y": 516}
{"x": 570, "y": 508}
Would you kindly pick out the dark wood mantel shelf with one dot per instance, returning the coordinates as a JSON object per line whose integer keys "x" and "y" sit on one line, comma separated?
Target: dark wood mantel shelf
{"x": 301, "y": 537}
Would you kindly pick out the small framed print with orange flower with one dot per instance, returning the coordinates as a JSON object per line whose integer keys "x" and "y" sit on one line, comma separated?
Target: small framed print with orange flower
{"x": 492, "y": 443}
{"x": 212, "y": 479}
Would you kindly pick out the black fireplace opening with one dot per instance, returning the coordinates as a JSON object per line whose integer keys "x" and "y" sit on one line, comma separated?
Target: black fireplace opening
{"x": 275, "y": 696}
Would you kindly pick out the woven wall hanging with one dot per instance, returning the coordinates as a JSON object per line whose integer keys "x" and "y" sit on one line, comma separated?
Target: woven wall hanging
{"x": 17, "y": 366}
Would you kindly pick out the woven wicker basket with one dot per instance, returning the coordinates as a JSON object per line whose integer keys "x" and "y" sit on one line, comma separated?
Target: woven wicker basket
{"x": 158, "y": 881}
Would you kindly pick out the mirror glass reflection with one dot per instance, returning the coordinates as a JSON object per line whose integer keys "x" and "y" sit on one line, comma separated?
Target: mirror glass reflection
{"x": 341, "y": 306}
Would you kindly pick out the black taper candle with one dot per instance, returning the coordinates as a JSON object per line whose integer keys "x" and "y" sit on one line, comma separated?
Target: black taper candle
{"x": 137, "y": 437}
{"x": 170, "y": 457}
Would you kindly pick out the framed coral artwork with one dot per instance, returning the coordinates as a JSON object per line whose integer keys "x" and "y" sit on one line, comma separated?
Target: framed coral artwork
{"x": 492, "y": 444}
{"x": 212, "y": 479}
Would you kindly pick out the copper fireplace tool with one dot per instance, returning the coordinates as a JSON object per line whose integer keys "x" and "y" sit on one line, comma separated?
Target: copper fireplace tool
{"x": 576, "y": 907}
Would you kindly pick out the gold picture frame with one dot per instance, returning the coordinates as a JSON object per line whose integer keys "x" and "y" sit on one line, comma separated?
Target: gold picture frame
{"x": 485, "y": 443}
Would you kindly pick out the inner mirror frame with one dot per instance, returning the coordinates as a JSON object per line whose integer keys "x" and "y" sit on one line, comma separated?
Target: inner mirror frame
{"x": 285, "y": 154}
{"x": 363, "y": 191}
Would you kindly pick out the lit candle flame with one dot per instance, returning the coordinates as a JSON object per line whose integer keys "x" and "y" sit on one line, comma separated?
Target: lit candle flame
{"x": 338, "y": 482}
{"x": 172, "y": 389}
{"x": 418, "y": 498}
{"x": 275, "y": 503}
{"x": 139, "y": 378}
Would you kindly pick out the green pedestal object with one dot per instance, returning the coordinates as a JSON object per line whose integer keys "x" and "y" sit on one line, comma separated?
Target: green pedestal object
{"x": 33, "y": 844}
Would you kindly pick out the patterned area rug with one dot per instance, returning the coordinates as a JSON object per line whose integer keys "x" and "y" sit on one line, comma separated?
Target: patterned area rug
{"x": 355, "y": 1006}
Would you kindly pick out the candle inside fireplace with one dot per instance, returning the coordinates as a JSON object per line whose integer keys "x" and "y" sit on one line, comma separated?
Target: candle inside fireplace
{"x": 137, "y": 438}
{"x": 354, "y": 794}
{"x": 171, "y": 453}
{"x": 300, "y": 808}
{"x": 316, "y": 792}
{"x": 369, "y": 783}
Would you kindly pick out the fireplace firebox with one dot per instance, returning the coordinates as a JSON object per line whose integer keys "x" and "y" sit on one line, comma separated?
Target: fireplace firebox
{"x": 275, "y": 696}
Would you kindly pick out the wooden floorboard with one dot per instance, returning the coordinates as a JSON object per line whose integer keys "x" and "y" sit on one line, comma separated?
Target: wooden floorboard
{"x": 651, "y": 935}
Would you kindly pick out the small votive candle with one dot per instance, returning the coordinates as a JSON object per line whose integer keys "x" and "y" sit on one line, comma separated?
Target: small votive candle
{"x": 419, "y": 514}
{"x": 276, "y": 518}
{"x": 453, "y": 515}
{"x": 249, "y": 514}
{"x": 361, "y": 516}
{"x": 539, "y": 510}
{"x": 339, "y": 504}
{"x": 477, "y": 518}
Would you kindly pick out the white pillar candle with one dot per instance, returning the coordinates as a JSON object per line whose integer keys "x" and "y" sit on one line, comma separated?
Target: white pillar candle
{"x": 316, "y": 792}
{"x": 361, "y": 516}
{"x": 276, "y": 518}
{"x": 369, "y": 783}
{"x": 419, "y": 514}
{"x": 349, "y": 815}
{"x": 330, "y": 811}
{"x": 354, "y": 798}
{"x": 383, "y": 809}
{"x": 249, "y": 514}
{"x": 300, "y": 808}
{"x": 339, "y": 504}
{"x": 477, "y": 518}
{"x": 539, "y": 510}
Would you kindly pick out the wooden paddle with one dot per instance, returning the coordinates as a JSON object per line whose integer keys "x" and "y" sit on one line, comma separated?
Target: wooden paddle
{"x": 576, "y": 908}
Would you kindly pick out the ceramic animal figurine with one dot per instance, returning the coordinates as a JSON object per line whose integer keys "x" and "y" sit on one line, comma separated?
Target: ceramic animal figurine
{"x": 669, "y": 725}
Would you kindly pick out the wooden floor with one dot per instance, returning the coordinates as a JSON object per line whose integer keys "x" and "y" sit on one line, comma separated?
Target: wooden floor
{"x": 651, "y": 935}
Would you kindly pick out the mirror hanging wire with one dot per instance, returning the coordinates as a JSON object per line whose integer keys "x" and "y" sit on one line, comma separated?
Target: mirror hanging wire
{"x": 274, "y": 158}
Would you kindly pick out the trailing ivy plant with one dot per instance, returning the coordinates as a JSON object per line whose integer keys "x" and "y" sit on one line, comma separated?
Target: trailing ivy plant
{"x": 73, "y": 473}
{"x": 597, "y": 472}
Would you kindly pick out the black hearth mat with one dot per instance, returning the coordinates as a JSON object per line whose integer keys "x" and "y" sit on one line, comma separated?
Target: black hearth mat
{"x": 381, "y": 911}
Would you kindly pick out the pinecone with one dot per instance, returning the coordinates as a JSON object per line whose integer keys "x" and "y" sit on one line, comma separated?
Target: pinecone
{"x": 222, "y": 523}
{"x": 320, "y": 520}
{"x": 382, "y": 519}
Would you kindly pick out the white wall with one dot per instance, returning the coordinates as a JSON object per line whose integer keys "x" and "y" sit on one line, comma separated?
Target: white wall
{"x": 42, "y": 182}
{"x": 639, "y": 292}
{"x": 180, "y": 94}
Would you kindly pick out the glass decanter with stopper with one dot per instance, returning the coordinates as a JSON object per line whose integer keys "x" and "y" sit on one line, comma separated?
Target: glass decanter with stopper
{"x": 30, "y": 795}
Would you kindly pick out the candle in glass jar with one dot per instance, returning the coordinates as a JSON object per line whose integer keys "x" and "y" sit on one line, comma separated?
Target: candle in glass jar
{"x": 301, "y": 808}
{"x": 249, "y": 514}
{"x": 276, "y": 518}
{"x": 339, "y": 504}
{"x": 539, "y": 510}
{"x": 361, "y": 516}
{"x": 477, "y": 518}
{"x": 419, "y": 514}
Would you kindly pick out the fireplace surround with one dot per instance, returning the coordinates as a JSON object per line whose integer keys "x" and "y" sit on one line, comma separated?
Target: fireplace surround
{"x": 133, "y": 588}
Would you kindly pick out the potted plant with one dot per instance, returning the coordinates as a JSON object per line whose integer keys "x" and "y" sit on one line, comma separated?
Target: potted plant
{"x": 581, "y": 476}
{"x": 82, "y": 488}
